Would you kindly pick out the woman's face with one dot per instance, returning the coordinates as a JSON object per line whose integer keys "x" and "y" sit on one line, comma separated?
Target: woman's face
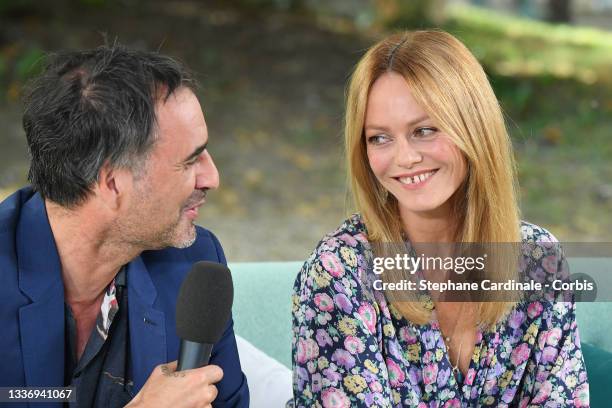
{"x": 409, "y": 156}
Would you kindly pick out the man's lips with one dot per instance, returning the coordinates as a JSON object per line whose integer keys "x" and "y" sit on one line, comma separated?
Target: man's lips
{"x": 192, "y": 212}
{"x": 195, "y": 201}
{"x": 191, "y": 209}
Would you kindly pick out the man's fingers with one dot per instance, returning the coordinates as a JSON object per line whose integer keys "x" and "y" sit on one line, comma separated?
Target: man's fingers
{"x": 211, "y": 374}
{"x": 172, "y": 365}
{"x": 210, "y": 393}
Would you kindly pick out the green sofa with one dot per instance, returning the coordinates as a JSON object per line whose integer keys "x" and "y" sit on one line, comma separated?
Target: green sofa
{"x": 262, "y": 316}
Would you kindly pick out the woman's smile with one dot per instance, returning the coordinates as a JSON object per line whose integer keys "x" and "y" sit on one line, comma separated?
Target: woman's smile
{"x": 415, "y": 180}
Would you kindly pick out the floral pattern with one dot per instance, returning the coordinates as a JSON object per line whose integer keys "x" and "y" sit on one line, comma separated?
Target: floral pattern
{"x": 353, "y": 349}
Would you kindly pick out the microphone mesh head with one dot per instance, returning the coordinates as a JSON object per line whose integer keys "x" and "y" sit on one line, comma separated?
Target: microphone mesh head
{"x": 204, "y": 304}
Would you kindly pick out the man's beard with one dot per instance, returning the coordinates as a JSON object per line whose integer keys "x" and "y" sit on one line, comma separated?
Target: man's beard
{"x": 174, "y": 236}
{"x": 185, "y": 242}
{"x": 142, "y": 234}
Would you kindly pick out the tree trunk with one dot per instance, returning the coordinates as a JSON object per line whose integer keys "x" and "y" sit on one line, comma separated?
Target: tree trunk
{"x": 559, "y": 11}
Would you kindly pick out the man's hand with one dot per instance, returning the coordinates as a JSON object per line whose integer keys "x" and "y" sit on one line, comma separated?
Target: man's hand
{"x": 167, "y": 387}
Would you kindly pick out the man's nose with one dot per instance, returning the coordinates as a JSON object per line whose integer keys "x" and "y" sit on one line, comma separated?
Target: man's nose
{"x": 406, "y": 155}
{"x": 208, "y": 175}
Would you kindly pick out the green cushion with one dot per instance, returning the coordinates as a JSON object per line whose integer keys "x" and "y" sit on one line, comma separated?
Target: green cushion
{"x": 598, "y": 364}
{"x": 595, "y": 324}
{"x": 262, "y": 305}
{"x": 595, "y": 319}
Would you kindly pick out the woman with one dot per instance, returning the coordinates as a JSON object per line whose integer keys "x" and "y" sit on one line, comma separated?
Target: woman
{"x": 429, "y": 161}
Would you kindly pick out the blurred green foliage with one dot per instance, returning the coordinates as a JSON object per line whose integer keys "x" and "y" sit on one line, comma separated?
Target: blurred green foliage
{"x": 21, "y": 59}
{"x": 20, "y": 7}
{"x": 514, "y": 46}
{"x": 264, "y": 5}
{"x": 11, "y": 6}
{"x": 410, "y": 14}
{"x": 18, "y": 63}
{"x": 28, "y": 63}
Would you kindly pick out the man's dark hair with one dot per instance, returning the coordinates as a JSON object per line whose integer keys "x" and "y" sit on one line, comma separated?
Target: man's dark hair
{"x": 93, "y": 107}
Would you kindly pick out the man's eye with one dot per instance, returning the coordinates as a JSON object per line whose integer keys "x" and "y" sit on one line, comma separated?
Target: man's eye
{"x": 377, "y": 139}
{"x": 424, "y": 132}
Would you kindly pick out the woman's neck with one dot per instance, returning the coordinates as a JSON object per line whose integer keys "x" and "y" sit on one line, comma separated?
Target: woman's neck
{"x": 438, "y": 225}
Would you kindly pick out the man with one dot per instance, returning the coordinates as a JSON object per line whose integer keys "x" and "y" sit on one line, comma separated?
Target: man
{"x": 93, "y": 254}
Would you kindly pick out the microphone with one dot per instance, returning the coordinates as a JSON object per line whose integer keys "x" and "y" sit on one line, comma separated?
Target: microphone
{"x": 203, "y": 309}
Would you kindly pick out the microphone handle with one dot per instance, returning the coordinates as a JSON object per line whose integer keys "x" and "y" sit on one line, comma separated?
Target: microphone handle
{"x": 193, "y": 355}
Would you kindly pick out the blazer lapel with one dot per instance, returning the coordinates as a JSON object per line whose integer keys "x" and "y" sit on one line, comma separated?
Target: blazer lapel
{"x": 42, "y": 321}
{"x": 147, "y": 325}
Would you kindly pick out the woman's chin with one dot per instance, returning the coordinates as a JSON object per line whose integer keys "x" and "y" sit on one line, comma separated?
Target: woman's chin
{"x": 424, "y": 207}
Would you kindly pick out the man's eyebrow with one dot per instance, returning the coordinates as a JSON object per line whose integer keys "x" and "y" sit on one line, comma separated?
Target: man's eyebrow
{"x": 196, "y": 152}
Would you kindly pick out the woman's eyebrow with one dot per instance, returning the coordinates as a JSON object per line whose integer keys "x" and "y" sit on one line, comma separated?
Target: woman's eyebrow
{"x": 409, "y": 124}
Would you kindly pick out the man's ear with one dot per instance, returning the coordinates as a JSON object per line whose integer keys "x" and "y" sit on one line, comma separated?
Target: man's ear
{"x": 113, "y": 186}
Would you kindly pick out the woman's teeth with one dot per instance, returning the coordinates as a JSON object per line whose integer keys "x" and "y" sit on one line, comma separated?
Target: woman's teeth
{"x": 416, "y": 179}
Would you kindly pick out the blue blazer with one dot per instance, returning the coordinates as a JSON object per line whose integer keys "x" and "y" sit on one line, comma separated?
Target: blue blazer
{"x": 32, "y": 305}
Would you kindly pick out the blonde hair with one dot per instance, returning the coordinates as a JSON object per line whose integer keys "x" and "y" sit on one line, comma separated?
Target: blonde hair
{"x": 451, "y": 86}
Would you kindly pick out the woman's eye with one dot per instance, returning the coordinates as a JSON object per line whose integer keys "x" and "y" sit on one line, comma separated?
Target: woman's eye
{"x": 424, "y": 132}
{"x": 377, "y": 139}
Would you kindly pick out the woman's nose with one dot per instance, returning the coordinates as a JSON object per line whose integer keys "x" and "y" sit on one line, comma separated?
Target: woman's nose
{"x": 406, "y": 154}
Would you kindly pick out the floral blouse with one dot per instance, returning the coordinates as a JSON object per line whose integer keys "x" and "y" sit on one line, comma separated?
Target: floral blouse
{"x": 353, "y": 349}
